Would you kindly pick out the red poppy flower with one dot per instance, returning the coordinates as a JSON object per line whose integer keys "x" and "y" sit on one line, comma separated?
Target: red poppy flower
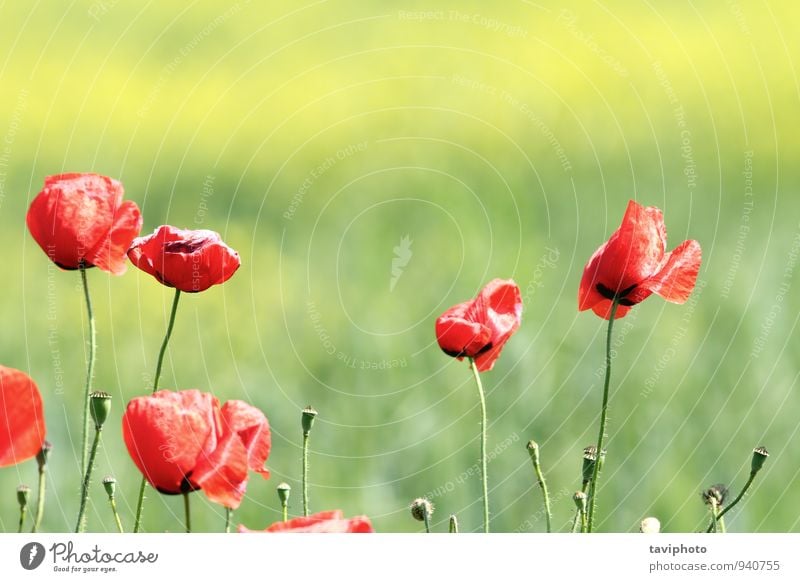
{"x": 183, "y": 441}
{"x": 633, "y": 263}
{"x": 22, "y": 428}
{"x": 189, "y": 260}
{"x": 323, "y": 522}
{"x": 81, "y": 218}
{"x": 480, "y": 328}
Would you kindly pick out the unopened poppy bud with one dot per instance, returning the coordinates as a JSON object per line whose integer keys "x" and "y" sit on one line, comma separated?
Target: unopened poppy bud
{"x": 110, "y": 485}
{"x": 43, "y": 454}
{"x": 421, "y": 508}
{"x": 453, "y": 524}
{"x": 284, "y": 490}
{"x": 717, "y": 493}
{"x": 580, "y": 500}
{"x": 23, "y": 494}
{"x": 100, "y": 407}
{"x": 760, "y": 455}
{"x": 533, "y": 451}
{"x": 309, "y": 414}
{"x": 650, "y": 525}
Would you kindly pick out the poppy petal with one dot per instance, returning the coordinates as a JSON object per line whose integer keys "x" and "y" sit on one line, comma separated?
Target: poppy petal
{"x": 676, "y": 279}
{"x": 22, "y": 428}
{"x": 252, "y": 427}
{"x": 110, "y": 254}
{"x": 603, "y": 309}
{"x": 458, "y": 336}
{"x": 222, "y": 472}
{"x": 631, "y": 255}
{"x": 167, "y": 432}
{"x": 322, "y": 522}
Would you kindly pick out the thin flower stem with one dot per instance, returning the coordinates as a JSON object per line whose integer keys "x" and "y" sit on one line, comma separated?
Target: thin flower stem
{"x": 23, "y": 511}
{"x": 305, "y": 475}
{"x": 137, "y": 524}
{"x": 37, "y": 520}
{"x": 426, "y": 518}
{"x": 484, "y": 476}
{"x": 80, "y": 527}
{"x": 228, "y": 519}
{"x": 89, "y": 370}
{"x": 187, "y": 512}
{"x": 537, "y": 467}
{"x": 714, "y": 515}
{"x": 285, "y": 512}
{"x": 163, "y": 350}
{"x": 734, "y": 502}
{"x": 603, "y": 419}
{"x": 584, "y": 522}
{"x": 113, "y": 504}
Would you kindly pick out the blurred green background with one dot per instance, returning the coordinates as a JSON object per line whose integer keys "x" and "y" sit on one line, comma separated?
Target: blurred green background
{"x": 502, "y": 141}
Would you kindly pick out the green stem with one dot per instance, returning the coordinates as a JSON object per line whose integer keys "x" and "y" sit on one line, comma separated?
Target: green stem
{"x": 427, "y": 520}
{"x": 89, "y": 371}
{"x": 187, "y": 512}
{"x": 137, "y": 524}
{"x": 603, "y": 419}
{"x": 23, "y": 511}
{"x": 714, "y": 515}
{"x": 37, "y": 521}
{"x": 305, "y": 474}
{"x": 228, "y": 519}
{"x": 80, "y": 527}
{"x": 584, "y": 522}
{"x": 113, "y": 504}
{"x": 540, "y": 478}
{"x": 735, "y": 501}
{"x": 484, "y": 476}
{"x": 285, "y": 512}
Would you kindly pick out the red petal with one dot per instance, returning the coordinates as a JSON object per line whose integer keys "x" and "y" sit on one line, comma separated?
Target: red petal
{"x": 503, "y": 303}
{"x": 110, "y": 253}
{"x": 189, "y": 260}
{"x": 167, "y": 432}
{"x": 22, "y": 429}
{"x": 323, "y": 522}
{"x": 73, "y": 215}
{"x": 459, "y": 336}
{"x": 252, "y": 427}
{"x": 675, "y": 280}
{"x": 632, "y": 254}
{"x": 222, "y": 472}
{"x": 603, "y": 309}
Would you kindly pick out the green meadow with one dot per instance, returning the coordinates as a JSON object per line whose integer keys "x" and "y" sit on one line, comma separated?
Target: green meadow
{"x": 375, "y": 163}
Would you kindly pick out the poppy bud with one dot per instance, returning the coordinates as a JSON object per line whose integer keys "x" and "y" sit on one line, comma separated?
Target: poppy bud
{"x": 43, "y": 454}
{"x": 717, "y": 493}
{"x": 760, "y": 455}
{"x": 309, "y": 414}
{"x": 650, "y": 525}
{"x": 533, "y": 451}
{"x": 100, "y": 407}
{"x": 23, "y": 493}
{"x": 453, "y": 524}
{"x": 110, "y": 485}
{"x": 421, "y": 509}
{"x": 284, "y": 490}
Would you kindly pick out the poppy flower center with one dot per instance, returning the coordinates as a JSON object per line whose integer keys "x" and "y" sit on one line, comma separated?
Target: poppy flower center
{"x": 620, "y": 297}
{"x": 187, "y": 246}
